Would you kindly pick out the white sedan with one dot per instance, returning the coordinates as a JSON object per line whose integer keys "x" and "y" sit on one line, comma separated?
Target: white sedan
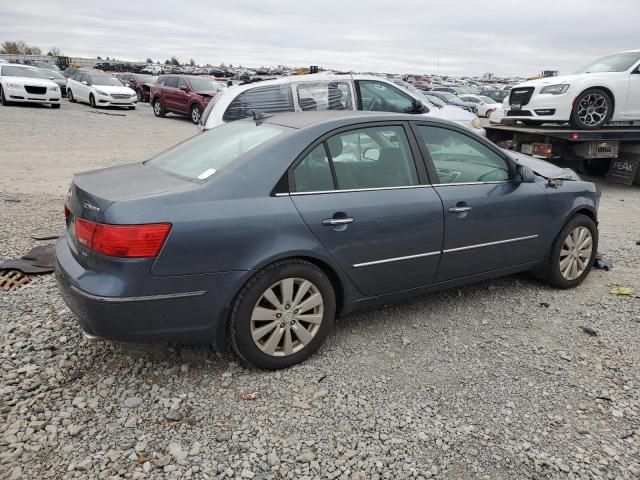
{"x": 484, "y": 105}
{"x": 607, "y": 90}
{"x": 24, "y": 84}
{"x": 100, "y": 90}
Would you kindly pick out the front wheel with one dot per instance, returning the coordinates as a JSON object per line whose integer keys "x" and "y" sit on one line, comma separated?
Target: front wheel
{"x": 158, "y": 109}
{"x": 92, "y": 101}
{"x": 3, "y": 99}
{"x": 282, "y": 315}
{"x": 139, "y": 95}
{"x": 195, "y": 114}
{"x": 592, "y": 109}
{"x": 573, "y": 253}
{"x": 70, "y": 96}
{"x": 55, "y": 105}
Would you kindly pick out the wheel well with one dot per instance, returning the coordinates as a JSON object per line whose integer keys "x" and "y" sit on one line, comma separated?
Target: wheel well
{"x": 586, "y": 212}
{"x": 608, "y": 92}
{"x": 338, "y": 288}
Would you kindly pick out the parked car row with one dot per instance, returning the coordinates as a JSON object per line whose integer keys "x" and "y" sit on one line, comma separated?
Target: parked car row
{"x": 26, "y": 84}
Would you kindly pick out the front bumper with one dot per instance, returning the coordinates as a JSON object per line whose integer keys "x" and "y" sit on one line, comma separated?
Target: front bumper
{"x": 108, "y": 101}
{"x": 184, "y": 309}
{"x": 21, "y": 95}
{"x": 548, "y": 108}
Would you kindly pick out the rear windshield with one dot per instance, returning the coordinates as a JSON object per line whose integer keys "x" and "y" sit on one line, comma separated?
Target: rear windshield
{"x": 201, "y": 156}
{"x": 11, "y": 71}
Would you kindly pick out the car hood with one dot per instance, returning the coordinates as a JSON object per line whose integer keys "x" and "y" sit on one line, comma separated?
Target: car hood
{"x": 454, "y": 114}
{"x": 542, "y": 167}
{"x": 555, "y": 80}
{"x": 115, "y": 89}
{"x": 40, "y": 82}
{"x": 207, "y": 93}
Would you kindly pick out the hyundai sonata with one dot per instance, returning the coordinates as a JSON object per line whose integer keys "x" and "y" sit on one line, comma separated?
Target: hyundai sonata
{"x": 258, "y": 233}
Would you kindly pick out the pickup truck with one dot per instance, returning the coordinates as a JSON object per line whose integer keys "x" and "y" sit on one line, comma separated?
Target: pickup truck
{"x": 183, "y": 95}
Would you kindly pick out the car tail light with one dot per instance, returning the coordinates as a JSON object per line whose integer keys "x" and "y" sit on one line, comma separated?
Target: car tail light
{"x": 128, "y": 241}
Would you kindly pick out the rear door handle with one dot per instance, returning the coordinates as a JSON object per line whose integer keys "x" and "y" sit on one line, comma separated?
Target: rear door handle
{"x": 332, "y": 222}
{"x": 459, "y": 209}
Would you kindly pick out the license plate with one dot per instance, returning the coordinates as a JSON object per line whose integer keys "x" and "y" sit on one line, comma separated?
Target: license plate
{"x": 516, "y": 107}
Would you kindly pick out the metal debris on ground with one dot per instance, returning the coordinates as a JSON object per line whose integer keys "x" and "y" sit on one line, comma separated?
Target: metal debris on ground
{"x": 250, "y": 396}
{"x": 108, "y": 113}
{"x": 11, "y": 280}
{"x": 43, "y": 236}
{"x": 622, "y": 291}
{"x": 589, "y": 331}
{"x": 603, "y": 263}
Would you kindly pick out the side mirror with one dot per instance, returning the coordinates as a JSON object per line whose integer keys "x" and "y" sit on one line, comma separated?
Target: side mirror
{"x": 419, "y": 107}
{"x": 185, "y": 88}
{"x": 524, "y": 174}
{"x": 84, "y": 82}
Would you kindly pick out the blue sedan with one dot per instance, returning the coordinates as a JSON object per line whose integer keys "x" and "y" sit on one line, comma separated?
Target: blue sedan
{"x": 258, "y": 233}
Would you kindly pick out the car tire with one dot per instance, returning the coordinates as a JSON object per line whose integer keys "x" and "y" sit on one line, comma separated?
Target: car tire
{"x": 562, "y": 257}
{"x": 195, "y": 114}
{"x": 70, "y": 96}
{"x": 132, "y": 108}
{"x": 158, "y": 109}
{"x": 280, "y": 345}
{"x": 596, "y": 167}
{"x": 592, "y": 109}
{"x": 3, "y": 99}
{"x": 139, "y": 95}
{"x": 92, "y": 101}
{"x": 55, "y": 105}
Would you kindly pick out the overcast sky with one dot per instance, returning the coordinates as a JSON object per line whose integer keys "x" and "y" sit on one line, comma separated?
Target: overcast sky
{"x": 470, "y": 37}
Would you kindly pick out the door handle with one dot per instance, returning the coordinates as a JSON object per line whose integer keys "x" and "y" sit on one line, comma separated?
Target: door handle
{"x": 332, "y": 222}
{"x": 459, "y": 209}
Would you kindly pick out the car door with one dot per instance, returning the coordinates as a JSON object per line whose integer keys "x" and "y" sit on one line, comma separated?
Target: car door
{"x": 633, "y": 97}
{"x": 491, "y": 220}
{"x": 365, "y": 198}
{"x": 169, "y": 90}
{"x": 83, "y": 87}
{"x": 182, "y": 97}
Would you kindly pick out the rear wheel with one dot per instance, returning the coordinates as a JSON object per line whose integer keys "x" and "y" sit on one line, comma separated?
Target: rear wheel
{"x": 70, "y": 96}
{"x": 195, "y": 114}
{"x": 55, "y": 105}
{"x": 282, "y": 315}
{"x": 158, "y": 109}
{"x": 139, "y": 95}
{"x": 573, "y": 253}
{"x": 597, "y": 167}
{"x": 592, "y": 109}
{"x": 92, "y": 101}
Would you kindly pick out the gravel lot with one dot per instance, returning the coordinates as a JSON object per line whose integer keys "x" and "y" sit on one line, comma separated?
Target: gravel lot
{"x": 496, "y": 380}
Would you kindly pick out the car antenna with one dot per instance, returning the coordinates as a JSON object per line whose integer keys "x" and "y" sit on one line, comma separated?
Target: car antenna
{"x": 259, "y": 116}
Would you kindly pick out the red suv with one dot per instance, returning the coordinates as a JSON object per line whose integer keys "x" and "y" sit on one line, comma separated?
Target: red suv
{"x": 183, "y": 95}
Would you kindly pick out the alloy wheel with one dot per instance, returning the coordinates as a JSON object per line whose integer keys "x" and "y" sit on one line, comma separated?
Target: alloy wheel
{"x": 575, "y": 253}
{"x": 287, "y": 317}
{"x": 157, "y": 109}
{"x": 593, "y": 109}
{"x": 195, "y": 115}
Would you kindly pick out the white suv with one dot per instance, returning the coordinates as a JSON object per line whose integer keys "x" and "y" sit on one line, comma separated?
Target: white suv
{"x": 607, "y": 90}
{"x": 327, "y": 92}
{"x": 23, "y": 84}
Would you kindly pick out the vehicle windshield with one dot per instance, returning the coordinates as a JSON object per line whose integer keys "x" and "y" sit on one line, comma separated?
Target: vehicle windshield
{"x": 205, "y": 85}
{"x": 449, "y": 97}
{"x": 201, "y": 156}
{"x": 146, "y": 78}
{"x": 618, "y": 62}
{"x": 105, "y": 81}
{"x": 11, "y": 71}
{"x": 435, "y": 101}
{"x": 54, "y": 74}
{"x": 487, "y": 99}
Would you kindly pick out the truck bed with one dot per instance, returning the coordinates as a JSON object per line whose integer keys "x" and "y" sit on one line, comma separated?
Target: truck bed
{"x": 572, "y": 135}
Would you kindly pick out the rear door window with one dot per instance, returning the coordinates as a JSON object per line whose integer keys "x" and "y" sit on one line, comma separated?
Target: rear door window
{"x": 171, "y": 82}
{"x": 266, "y": 99}
{"x": 319, "y": 96}
{"x": 382, "y": 97}
{"x": 313, "y": 173}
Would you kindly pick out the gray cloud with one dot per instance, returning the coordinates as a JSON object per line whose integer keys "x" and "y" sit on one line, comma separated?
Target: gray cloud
{"x": 467, "y": 36}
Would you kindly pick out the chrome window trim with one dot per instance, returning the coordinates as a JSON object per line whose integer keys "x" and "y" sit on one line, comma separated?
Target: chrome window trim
{"x": 490, "y": 244}
{"x": 319, "y": 192}
{"x": 396, "y": 259}
{"x": 470, "y": 183}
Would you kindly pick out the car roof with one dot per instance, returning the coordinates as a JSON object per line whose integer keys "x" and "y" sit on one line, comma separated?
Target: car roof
{"x": 19, "y": 65}
{"x": 300, "y": 120}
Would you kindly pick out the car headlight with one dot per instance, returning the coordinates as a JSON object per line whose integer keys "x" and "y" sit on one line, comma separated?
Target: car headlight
{"x": 555, "y": 89}
{"x": 53, "y": 89}
{"x": 476, "y": 123}
{"x": 100, "y": 92}
{"x": 13, "y": 85}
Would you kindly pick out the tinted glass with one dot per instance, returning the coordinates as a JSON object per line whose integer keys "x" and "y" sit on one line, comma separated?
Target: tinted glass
{"x": 201, "y": 156}
{"x": 381, "y": 97}
{"x": 373, "y": 158}
{"x": 182, "y": 83}
{"x": 12, "y": 71}
{"x": 171, "y": 82}
{"x": 205, "y": 85}
{"x": 268, "y": 99}
{"x": 324, "y": 96}
{"x": 313, "y": 174}
{"x": 461, "y": 159}
{"x": 618, "y": 62}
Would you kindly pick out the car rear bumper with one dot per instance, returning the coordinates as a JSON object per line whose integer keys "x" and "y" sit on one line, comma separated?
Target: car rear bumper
{"x": 183, "y": 309}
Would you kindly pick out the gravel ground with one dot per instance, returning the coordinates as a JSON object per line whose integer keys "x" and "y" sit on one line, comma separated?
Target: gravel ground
{"x": 496, "y": 380}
